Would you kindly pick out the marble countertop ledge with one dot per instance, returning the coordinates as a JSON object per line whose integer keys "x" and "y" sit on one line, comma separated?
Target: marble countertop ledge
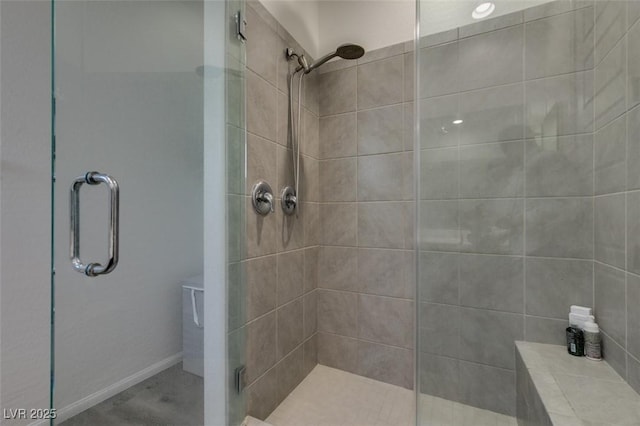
{"x": 577, "y": 391}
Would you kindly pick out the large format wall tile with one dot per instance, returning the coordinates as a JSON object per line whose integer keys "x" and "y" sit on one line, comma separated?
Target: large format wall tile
{"x": 483, "y": 58}
{"x": 633, "y": 372}
{"x": 338, "y": 136}
{"x": 491, "y": 24}
{"x": 438, "y": 277}
{"x": 633, "y": 315}
{"x": 436, "y": 122}
{"x": 439, "y": 376}
{"x": 261, "y": 161}
{"x": 386, "y": 363}
{"x": 338, "y": 179}
{"x": 385, "y": 320}
{"x": 381, "y": 224}
{"x": 440, "y": 63}
{"x": 310, "y": 134}
{"x": 338, "y": 352}
{"x": 492, "y": 115}
{"x": 553, "y": 285}
{"x": 545, "y": 330}
{"x": 610, "y": 157}
{"x": 633, "y": 149}
{"x": 261, "y": 107}
{"x": 491, "y": 226}
{"x": 492, "y": 170}
{"x": 633, "y": 13}
{"x": 338, "y": 89}
{"x": 611, "y": 85}
{"x": 310, "y": 314}
{"x": 560, "y": 227}
{"x": 492, "y": 282}
{"x": 290, "y": 327}
{"x": 488, "y": 337}
{"x": 290, "y": 276}
{"x": 337, "y": 312}
{"x": 337, "y": 267}
{"x": 440, "y": 329}
{"x": 262, "y": 47}
{"x": 386, "y": 272}
{"x": 339, "y": 224}
{"x": 409, "y": 75}
{"x": 559, "y": 166}
{"x": 610, "y": 229}
{"x": 488, "y": 387}
{"x": 261, "y": 346}
{"x": 610, "y": 26}
{"x": 380, "y": 130}
{"x": 614, "y": 354}
{"x": 380, "y": 177}
{"x": 310, "y": 354}
{"x": 380, "y": 82}
{"x": 561, "y": 105}
{"x": 290, "y": 373}
{"x": 439, "y": 229}
{"x": 439, "y": 174}
{"x": 633, "y": 232}
{"x": 633, "y": 62}
{"x": 560, "y": 44}
{"x": 280, "y": 269}
{"x": 261, "y": 280}
{"x": 262, "y": 397}
{"x": 262, "y": 232}
{"x": 610, "y": 302}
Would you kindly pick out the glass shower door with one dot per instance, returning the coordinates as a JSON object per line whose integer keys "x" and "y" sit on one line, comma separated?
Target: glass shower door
{"x": 129, "y": 111}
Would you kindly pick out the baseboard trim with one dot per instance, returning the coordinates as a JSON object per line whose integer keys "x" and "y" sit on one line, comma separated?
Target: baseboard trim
{"x": 114, "y": 389}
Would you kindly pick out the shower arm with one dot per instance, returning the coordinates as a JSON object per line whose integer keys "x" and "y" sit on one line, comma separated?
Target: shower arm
{"x": 319, "y": 62}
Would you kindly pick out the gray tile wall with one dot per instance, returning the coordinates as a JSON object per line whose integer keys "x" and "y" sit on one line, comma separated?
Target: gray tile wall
{"x": 507, "y": 196}
{"x": 276, "y": 298}
{"x": 365, "y": 281}
{"x": 617, "y": 181}
{"x": 528, "y": 206}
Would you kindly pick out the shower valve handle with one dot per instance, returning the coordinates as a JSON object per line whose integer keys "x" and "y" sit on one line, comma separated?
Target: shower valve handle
{"x": 262, "y": 198}
{"x": 289, "y": 200}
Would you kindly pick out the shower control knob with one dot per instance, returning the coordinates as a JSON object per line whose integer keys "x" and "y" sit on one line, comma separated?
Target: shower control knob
{"x": 289, "y": 200}
{"x": 262, "y": 198}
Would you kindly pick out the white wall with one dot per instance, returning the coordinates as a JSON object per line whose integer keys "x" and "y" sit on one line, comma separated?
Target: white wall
{"x": 130, "y": 104}
{"x": 322, "y": 25}
{"x": 371, "y": 24}
{"x": 25, "y": 182}
{"x": 301, "y": 19}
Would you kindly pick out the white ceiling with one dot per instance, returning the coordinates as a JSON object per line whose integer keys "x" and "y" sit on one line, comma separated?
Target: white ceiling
{"x": 321, "y": 25}
{"x": 441, "y": 15}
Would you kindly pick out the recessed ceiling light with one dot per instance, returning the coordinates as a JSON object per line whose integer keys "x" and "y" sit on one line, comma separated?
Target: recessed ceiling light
{"x": 457, "y": 121}
{"x": 483, "y": 10}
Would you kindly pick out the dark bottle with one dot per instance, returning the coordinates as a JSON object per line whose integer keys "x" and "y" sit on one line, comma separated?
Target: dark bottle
{"x": 575, "y": 341}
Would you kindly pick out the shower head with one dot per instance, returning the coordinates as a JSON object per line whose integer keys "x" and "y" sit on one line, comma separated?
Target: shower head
{"x": 345, "y": 51}
{"x": 350, "y": 51}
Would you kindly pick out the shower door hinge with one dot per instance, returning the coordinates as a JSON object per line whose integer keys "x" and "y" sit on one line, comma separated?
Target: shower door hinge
{"x": 241, "y": 378}
{"x": 241, "y": 27}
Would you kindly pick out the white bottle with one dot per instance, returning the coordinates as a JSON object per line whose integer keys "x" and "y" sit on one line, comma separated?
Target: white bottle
{"x": 592, "y": 341}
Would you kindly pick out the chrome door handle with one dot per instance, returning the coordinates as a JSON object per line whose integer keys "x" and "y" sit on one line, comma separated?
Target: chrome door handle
{"x": 94, "y": 269}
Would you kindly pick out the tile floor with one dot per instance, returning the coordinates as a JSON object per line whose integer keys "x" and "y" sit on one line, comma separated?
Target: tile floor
{"x": 171, "y": 397}
{"x": 330, "y": 397}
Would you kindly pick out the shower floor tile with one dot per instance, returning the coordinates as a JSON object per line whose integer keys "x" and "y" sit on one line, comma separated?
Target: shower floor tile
{"x": 330, "y": 397}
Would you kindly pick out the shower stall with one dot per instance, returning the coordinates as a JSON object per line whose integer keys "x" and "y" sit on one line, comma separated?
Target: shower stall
{"x": 392, "y": 234}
